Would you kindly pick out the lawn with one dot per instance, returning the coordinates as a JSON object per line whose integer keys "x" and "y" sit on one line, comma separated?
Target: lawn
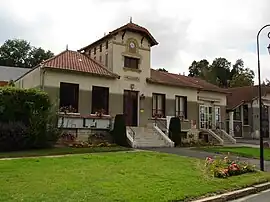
{"x": 120, "y": 176}
{"x": 60, "y": 151}
{"x": 239, "y": 151}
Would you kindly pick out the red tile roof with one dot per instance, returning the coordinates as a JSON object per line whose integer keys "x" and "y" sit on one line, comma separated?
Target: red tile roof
{"x": 166, "y": 78}
{"x": 75, "y": 61}
{"x": 244, "y": 94}
{"x": 3, "y": 83}
{"x": 131, "y": 27}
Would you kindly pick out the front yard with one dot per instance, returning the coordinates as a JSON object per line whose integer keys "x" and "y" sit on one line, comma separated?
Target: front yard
{"x": 239, "y": 151}
{"x": 121, "y": 176}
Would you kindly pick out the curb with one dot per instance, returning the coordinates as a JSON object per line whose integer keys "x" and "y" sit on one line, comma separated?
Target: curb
{"x": 236, "y": 194}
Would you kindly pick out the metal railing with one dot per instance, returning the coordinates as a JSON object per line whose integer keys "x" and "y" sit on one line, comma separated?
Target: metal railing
{"x": 132, "y": 132}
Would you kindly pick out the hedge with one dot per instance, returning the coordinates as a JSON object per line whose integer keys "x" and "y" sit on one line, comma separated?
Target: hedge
{"x": 175, "y": 130}
{"x": 27, "y": 119}
{"x": 119, "y": 131}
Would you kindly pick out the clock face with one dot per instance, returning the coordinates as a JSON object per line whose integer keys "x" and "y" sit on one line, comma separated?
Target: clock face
{"x": 132, "y": 45}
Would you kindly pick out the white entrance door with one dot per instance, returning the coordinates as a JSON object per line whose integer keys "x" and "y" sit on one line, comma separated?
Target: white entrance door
{"x": 206, "y": 116}
{"x": 209, "y": 117}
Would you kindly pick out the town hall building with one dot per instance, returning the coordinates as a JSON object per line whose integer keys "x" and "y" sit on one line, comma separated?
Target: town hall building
{"x": 113, "y": 75}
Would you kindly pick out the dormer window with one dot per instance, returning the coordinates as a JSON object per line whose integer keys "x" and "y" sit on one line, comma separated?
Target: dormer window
{"x": 131, "y": 62}
{"x": 100, "y": 48}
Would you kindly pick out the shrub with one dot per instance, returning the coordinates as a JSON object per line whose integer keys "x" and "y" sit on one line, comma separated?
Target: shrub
{"x": 119, "y": 131}
{"x": 175, "y": 130}
{"x": 28, "y": 119}
{"x": 12, "y": 136}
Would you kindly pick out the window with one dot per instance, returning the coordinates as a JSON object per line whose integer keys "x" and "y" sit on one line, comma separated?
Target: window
{"x": 106, "y": 59}
{"x": 100, "y": 48}
{"x": 237, "y": 114}
{"x": 95, "y": 51}
{"x": 158, "y": 106}
{"x": 181, "y": 106}
{"x": 100, "y": 59}
{"x": 217, "y": 117}
{"x": 69, "y": 96}
{"x": 131, "y": 62}
{"x": 107, "y": 44}
{"x": 100, "y": 99}
{"x": 245, "y": 114}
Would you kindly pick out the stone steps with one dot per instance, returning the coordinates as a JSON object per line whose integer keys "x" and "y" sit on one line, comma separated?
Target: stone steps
{"x": 146, "y": 137}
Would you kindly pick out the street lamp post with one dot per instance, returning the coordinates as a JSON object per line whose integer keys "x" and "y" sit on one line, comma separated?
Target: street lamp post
{"x": 260, "y": 95}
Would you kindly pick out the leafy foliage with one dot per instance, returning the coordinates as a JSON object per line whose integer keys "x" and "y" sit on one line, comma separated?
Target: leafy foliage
{"x": 266, "y": 82}
{"x": 175, "y": 130}
{"x": 222, "y": 73}
{"x": 27, "y": 119}
{"x": 19, "y": 53}
{"x": 162, "y": 70}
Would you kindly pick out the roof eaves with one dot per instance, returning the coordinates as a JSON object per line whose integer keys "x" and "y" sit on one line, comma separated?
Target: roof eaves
{"x": 149, "y": 80}
{"x": 101, "y": 66}
{"x": 217, "y": 91}
{"x": 27, "y": 72}
{"x": 90, "y": 73}
{"x": 95, "y": 42}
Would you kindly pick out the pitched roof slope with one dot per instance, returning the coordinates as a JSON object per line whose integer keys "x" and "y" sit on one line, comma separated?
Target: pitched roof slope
{"x": 240, "y": 95}
{"x": 75, "y": 61}
{"x": 131, "y": 27}
{"x": 171, "y": 79}
{"x": 12, "y": 73}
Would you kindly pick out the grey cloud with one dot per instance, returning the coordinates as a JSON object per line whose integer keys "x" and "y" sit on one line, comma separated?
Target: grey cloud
{"x": 34, "y": 32}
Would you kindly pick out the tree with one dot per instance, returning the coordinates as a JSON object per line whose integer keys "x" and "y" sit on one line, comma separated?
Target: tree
{"x": 199, "y": 69}
{"x": 19, "y": 53}
{"x": 266, "y": 82}
{"x": 37, "y": 55}
{"x": 162, "y": 70}
{"x": 241, "y": 76}
{"x": 245, "y": 78}
{"x": 220, "y": 72}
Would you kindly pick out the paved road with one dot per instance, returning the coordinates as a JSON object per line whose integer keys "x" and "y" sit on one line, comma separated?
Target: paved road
{"x": 260, "y": 197}
{"x": 202, "y": 155}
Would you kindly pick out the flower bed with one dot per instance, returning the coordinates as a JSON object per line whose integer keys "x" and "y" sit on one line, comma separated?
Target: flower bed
{"x": 223, "y": 168}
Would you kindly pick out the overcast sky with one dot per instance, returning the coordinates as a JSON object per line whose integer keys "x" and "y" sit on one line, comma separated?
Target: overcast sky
{"x": 186, "y": 30}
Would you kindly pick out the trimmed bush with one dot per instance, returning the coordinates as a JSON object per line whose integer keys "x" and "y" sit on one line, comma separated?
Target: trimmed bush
{"x": 175, "y": 130}
{"x": 12, "y": 135}
{"x": 27, "y": 119}
{"x": 119, "y": 131}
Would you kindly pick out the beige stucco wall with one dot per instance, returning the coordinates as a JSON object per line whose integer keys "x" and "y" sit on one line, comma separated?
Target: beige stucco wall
{"x": 120, "y": 49}
{"x": 219, "y": 98}
{"x": 105, "y": 51}
{"x": 53, "y": 79}
{"x": 30, "y": 80}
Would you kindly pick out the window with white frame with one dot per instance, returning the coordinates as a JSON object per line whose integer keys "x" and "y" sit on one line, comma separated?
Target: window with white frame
{"x": 217, "y": 116}
{"x": 158, "y": 109}
{"x": 181, "y": 106}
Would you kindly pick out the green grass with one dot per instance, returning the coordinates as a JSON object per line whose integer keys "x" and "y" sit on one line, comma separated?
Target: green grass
{"x": 239, "y": 151}
{"x": 60, "y": 151}
{"x": 120, "y": 176}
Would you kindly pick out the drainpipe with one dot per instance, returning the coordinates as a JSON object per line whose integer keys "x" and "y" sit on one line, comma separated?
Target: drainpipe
{"x": 42, "y": 78}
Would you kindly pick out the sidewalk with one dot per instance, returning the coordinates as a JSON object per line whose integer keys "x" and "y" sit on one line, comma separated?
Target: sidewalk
{"x": 203, "y": 155}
